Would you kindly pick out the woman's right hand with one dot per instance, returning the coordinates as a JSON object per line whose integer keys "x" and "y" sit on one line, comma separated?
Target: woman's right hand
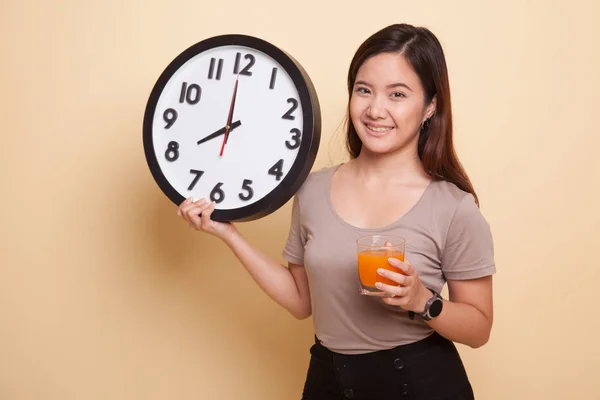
{"x": 197, "y": 214}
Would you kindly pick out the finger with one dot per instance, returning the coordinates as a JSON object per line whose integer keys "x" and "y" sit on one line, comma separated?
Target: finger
{"x": 196, "y": 210}
{"x": 192, "y": 215}
{"x": 182, "y": 205}
{"x": 397, "y": 291}
{"x": 186, "y": 206}
{"x": 395, "y": 276}
{"x": 388, "y": 252}
{"x": 206, "y": 221}
{"x": 193, "y": 218}
{"x": 195, "y": 204}
{"x": 406, "y": 267}
{"x": 396, "y": 301}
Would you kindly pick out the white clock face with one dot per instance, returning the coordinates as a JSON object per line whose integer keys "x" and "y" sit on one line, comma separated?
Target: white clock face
{"x": 264, "y": 137}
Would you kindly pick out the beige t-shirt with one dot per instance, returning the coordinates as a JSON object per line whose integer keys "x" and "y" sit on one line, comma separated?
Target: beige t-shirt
{"x": 446, "y": 238}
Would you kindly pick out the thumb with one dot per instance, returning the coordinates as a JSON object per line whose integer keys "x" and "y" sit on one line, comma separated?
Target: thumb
{"x": 207, "y": 222}
{"x": 388, "y": 253}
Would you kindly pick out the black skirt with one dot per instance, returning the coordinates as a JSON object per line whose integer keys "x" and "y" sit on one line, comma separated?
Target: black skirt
{"x": 425, "y": 370}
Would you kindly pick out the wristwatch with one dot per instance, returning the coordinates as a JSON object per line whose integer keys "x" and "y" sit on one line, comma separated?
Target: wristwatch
{"x": 433, "y": 307}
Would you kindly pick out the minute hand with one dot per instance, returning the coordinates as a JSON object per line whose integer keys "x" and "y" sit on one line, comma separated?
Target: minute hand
{"x": 220, "y": 132}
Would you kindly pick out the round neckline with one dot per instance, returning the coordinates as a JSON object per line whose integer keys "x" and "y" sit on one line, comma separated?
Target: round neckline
{"x": 357, "y": 228}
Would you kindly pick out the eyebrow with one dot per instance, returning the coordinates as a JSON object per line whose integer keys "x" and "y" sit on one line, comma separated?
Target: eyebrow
{"x": 393, "y": 85}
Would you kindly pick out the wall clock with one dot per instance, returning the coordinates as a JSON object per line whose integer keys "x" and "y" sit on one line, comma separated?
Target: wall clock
{"x": 236, "y": 120}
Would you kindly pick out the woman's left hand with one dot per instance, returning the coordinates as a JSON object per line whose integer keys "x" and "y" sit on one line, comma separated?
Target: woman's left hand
{"x": 410, "y": 293}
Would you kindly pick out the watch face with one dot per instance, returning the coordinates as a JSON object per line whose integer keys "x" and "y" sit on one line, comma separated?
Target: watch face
{"x": 436, "y": 308}
{"x": 234, "y": 120}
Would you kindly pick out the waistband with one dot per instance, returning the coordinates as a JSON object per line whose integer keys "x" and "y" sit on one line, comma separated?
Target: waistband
{"x": 405, "y": 350}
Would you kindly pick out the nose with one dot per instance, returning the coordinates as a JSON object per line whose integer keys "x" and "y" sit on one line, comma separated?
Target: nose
{"x": 376, "y": 109}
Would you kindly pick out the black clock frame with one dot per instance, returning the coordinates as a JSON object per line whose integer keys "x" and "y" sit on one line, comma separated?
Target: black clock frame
{"x": 311, "y": 134}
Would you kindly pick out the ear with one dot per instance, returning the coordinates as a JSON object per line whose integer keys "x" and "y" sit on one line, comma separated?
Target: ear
{"x": 431, "y": 108}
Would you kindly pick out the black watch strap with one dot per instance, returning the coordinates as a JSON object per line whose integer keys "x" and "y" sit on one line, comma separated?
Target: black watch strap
{"x": 433, "y": 307}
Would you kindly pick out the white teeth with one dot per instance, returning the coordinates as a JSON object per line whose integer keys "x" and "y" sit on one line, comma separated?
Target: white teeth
{"x": 379, "y": 129}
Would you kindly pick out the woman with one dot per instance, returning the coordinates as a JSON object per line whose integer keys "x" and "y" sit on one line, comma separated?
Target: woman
{"x": 403, "y": 179}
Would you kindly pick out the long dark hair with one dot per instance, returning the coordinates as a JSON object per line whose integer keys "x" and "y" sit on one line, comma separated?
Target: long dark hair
{"x": 424, "y": 53}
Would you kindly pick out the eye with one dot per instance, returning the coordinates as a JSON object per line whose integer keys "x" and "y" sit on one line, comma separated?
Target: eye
{"x": 398, "y": 95}
{"x": 363, "y": 90}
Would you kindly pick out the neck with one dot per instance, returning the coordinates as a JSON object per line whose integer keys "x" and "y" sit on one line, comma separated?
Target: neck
{"x": 399, "y": 167}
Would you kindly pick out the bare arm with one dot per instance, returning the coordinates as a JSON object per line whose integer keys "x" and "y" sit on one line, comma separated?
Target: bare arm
{"x": 468, "y": 316}
{"x": 287, "y": 286}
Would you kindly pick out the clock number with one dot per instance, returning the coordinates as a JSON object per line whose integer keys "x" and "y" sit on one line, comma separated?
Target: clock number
{"x": 170, "y": 116}
{"x": 196, "y": 178}
{"x": 296, "y": 139}
{"x": 172, "y": 152}
{"x": 277, "y": 170}
{"x": 246, "y": 70}
{"x": 217, "y": 195}
{"x": 211, "y": 69}
{"x": 288, "y": 114}
{"x": 190, "y": 94}
{"x": 247, "y": 188}
{"x": 273, "y": 77}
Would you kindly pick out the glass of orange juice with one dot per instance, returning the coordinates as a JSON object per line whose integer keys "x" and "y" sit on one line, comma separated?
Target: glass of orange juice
{"x": 373, "y": 253}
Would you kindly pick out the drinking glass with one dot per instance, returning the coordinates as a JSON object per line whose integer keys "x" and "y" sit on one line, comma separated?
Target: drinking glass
{"x": 373, "y": 253}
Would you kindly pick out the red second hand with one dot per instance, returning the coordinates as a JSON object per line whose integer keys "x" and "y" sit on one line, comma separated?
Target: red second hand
{"x": 228, "y": 126}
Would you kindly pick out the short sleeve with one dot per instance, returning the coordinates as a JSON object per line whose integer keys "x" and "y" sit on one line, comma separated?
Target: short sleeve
{"x": 294, "y": 248}
{"x": 469, "y": 249}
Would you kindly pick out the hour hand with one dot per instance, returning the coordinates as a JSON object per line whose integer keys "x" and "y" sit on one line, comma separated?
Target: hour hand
{"x": 220, "y": 132}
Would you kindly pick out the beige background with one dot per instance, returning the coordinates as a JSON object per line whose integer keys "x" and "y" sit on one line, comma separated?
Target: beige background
{"x": 106, "y": 294}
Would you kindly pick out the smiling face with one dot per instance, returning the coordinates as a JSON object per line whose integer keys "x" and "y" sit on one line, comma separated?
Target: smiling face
{"x": 387, "y": 106}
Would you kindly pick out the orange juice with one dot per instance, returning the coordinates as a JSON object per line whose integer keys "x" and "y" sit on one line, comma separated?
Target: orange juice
{"x": 370, "y": 260}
